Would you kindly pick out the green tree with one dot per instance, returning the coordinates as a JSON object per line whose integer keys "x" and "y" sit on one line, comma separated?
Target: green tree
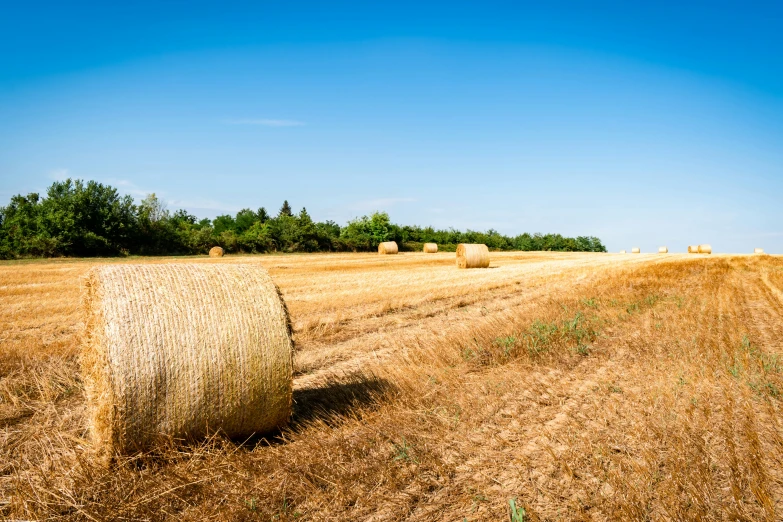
{"x": 262, "y": 215}
{"x": 244, "y": 220}
{"x": 224, "y": 223}
{"x": 258, "y": 238}
{"x": 366, "y": 232}
{"x": 285, "y": 210}
{"x": 88, "y": 219}
{"x": 22, "y": 232}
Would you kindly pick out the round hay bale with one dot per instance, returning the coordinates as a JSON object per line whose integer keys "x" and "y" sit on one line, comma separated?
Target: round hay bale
{"x": 705, "y": 249}
{"x": 758, "y": 250}
{"x": 693, "y": 249}
{"x": 178, "y": 351}
{"x": 635, "y": 250}
{"x": 388, "y": 247}
{"x": 472, "y": 256}
{"x": 430, "y": 248}
{"x": 215, "y": 251}
{"x": 622, "y": 251}
{"x": 663, "y": 250}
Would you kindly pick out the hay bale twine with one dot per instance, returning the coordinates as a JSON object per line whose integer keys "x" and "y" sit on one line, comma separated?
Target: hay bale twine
{"x": 183, "y": 350}
{"x": 430, "y": 248}
{"x": 663, "y": 250}
{"x": 693, "y": 249}
{"x": 388, "y": 247}
{"x": 705, "y": 249}
{"x": 215, "y": 251}
{"x": 635, "y": 250}
{"x": 758, "y": 250}
{"x": 622, "y": 251}
{"x": 472, "y": 255}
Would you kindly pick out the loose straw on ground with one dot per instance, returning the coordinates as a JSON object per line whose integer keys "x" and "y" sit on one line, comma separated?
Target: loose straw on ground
{"x": 472, "y": 256}
{"x": 183, "y": 350}
{"x": 215, "y": 251}
{"x": 430, "y": 248}
{"x": 388, "y": 247}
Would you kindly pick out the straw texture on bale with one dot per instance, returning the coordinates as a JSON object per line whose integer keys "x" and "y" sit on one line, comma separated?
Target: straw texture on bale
{"x": 472, "y": 255}
{"x": 663, "y": 250}
{"x": 388, "y": 247}
{"x": 758, "y": 250}
{"x": 635, "y": 250}
{"x": 622, "y": 251}
{"x": 705, "y": 249}
{"x": 216, "y": 252}
{"x": 178, "y": 351}
{"x": 693, "y": 249}
{"x": 430, "y": 248}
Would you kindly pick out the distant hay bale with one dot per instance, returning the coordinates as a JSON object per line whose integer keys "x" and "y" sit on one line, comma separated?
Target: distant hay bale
{"x": 758, "y": 250}
{"x": 388, "y": 247}
{"x": 178, "y": 351}
{"x": 705, "y": 249}
{"x": 622, "y": 251}
{"x": 693, "y": 249}
{"x": 472, "y": 255}
{"x": 635, "y": 250}
{"x": 215, "y": 251}
{"x": 430, "y": 248}
{"x": 663, "y": 250}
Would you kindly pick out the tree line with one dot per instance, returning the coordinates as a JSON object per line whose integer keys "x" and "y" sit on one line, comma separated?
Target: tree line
{"x": 83, "y": 219}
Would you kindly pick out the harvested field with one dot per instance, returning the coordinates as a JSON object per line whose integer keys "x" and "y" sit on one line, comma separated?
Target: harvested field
{"x": 584, "y": 386}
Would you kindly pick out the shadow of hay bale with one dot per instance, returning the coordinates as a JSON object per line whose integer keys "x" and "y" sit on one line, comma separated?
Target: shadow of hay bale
{"x": 334, "y": 400}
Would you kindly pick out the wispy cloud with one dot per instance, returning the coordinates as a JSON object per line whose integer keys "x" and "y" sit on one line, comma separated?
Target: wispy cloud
{"x": 59, "y": 174}
{"x": 266, "y": 122}
{"x": 197, "y": 205}
{"x": 128, "y": 187}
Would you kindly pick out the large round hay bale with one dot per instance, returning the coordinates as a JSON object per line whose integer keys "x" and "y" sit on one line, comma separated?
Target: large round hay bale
{"x": 663, "y": 250}
{"x": 758, "y": 250}
{"x": 215, "y": 251}
{"x": 177, "y": 351}
{"x": 472, "y": 256}
{"x": 705, "y": 249}
{"x": 622, "y": 251}
{"x": 693, "y": 249}
{"x": 388, "y": 247}
{"x": 430, "y": 248}
{"x": 635, "y": 250}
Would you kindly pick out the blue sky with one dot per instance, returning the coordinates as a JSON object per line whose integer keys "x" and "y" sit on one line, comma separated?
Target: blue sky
{"x": 644, "y": 126}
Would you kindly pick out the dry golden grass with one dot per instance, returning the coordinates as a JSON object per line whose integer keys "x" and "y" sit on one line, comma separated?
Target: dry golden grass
{"x": 585, "y": 386}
